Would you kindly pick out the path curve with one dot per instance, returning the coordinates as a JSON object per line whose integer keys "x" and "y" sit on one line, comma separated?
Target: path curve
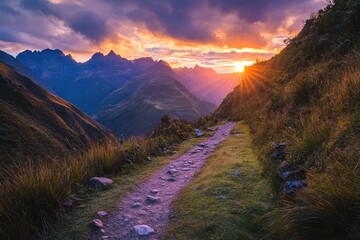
{"x": 168, "y": 182}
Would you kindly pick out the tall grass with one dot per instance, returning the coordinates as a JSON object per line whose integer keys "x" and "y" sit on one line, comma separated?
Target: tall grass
{"x": 309, "y": 96}
{"x": 328, "y": 209}
{"x": 32, "y": 193}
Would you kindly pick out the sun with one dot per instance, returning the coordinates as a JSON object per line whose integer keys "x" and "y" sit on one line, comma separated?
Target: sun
{"x": 239, "y": 66}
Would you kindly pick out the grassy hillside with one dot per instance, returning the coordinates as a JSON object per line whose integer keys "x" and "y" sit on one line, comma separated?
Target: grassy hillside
{"x": 37, "y": 124}
{"x": 309, "y": 96}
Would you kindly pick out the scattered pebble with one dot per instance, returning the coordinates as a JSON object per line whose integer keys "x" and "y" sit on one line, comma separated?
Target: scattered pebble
{"x": 97, "y": 223}
{"x": 152, "y": 199}
{"x": 154, "y": 191}
{"x": 101, "y": 213}
{"x": 136, "y": 205}
{"x": 137, "y": 199}
{"x": 143, "y": 230}
{"x": 172, "y": 171}
{"x": 171, "y": 179}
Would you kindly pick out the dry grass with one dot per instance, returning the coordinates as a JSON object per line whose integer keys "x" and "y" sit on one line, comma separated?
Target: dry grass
{"x": 32, "y": 193}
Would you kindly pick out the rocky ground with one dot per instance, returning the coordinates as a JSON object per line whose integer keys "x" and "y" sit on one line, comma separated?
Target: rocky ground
{"x": 144, "y": 212}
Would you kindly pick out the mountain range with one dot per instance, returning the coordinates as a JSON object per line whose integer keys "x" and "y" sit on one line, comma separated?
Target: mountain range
{"x": 127, "y": 96}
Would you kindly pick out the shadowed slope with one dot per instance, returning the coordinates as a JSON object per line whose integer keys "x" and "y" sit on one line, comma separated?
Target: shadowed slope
{"x": 36, "y": 123}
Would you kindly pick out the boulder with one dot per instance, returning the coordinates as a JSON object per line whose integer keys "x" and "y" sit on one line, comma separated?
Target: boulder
{"x": 143, "y": 230}
{"x": 100, "y": 182}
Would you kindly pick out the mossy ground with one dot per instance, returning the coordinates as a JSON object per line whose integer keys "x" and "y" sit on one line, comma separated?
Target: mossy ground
{"x": 227, "y": 199}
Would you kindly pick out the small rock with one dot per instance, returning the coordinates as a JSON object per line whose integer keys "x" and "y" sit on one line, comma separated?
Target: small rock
{"x": 185, "y": 169}
{"x": 136, "y": 199}
{"x": 68, "y": 202}
{"x": 136, "y": 205}
{"x": 291, "y": 186}
{"x": 237, "y": 173}
{"x": 102, "y": 230}
{"x": 97, "y": 223}
{"x": 81, "y": 206}
{"x": 101, "y": 213}
{"x": 148, "y": 158}
{"x": 100, "y": 182}
{"x": 198, "y": 132}
{"x": 152, "y": 199}
{"x": 202, "y": 145}
{"x": 221, "y": 197}
{"x": 172, "y": 171}
{"x": 278, "y": 155}
{"x": 171, "y": 179}
{"x": 191, "y": 162}
{"x": 104, "y": 237}
{"x": 143, "y": 230}
{"x": 154, "y": 191}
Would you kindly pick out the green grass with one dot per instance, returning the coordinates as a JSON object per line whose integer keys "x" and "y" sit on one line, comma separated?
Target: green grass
{"x": 75, "y": 224}
{"x": 201, "y": 213}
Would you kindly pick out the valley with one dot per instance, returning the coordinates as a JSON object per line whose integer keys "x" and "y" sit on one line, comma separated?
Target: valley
{"x": 219, "y": 120}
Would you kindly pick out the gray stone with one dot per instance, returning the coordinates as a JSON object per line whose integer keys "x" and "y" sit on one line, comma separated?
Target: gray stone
{"x": 101, "y": 213}
{"x": 154, "y": 191}
{"x": 291, "y": 186}
{"x": 136, "y": 199}
{"x": 143, "y": 230}
{"x": 152, "y": 199}
{"x": 198, "y": 132}
{"x": 237, "y": 173}
{"x": 172, "y": 171}
{"x": 97, "y": 223}
{"x": 136, "y": 205}
{"x": 171, "y": 179}
{"x": 185, "y": 169}
{"x": 100, "y": 182}
{"x": 104, "y": 237}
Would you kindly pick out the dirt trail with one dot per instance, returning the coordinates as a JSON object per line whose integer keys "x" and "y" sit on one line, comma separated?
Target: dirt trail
{"x": 150, "y": 202}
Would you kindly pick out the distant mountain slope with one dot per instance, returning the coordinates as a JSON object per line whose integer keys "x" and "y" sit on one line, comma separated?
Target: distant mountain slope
{"x": 207, "y": 84}
{"x": 146, "y": 98}
{"x": 83, "y": 84}
{"x": 35, "y": 123}
{"x": 22, "y": 69}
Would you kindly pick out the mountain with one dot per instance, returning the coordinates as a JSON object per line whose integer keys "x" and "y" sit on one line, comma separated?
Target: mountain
{"x": 207, "y": 84}
{"x": 37, "y": 124}
{"x": 113, "y": 89}
{"x": 22, "y": 69}
{"x": 138, "y": 106}
{"x": 308, "y": 96}
{"x": 83, "y": 84}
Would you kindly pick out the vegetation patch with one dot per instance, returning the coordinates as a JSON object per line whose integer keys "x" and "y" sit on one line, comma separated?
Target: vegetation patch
{"x": 228, "y": 197}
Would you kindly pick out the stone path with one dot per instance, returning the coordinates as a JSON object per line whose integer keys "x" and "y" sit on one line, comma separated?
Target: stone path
{"x": 150, "y": 203}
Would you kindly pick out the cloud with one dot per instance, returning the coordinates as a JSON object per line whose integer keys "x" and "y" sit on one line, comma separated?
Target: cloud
{"x": 171, "y": 29}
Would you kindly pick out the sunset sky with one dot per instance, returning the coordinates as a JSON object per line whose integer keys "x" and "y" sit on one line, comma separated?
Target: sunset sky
{"x": 224, "y": 35}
